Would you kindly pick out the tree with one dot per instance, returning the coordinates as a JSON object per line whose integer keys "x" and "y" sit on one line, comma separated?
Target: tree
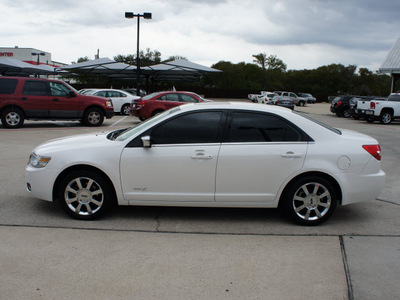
{"x": 147, "y": 58}
{"x": 271, "y": 62}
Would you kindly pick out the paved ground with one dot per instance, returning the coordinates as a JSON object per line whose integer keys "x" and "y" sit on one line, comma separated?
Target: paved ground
{"x": 188, "y": 253}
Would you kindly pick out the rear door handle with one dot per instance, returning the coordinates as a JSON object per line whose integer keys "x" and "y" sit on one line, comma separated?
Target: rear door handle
{"x": 24, "y": 98}
{"x": 291, "y": 154}
{"x": 56, "y": 99}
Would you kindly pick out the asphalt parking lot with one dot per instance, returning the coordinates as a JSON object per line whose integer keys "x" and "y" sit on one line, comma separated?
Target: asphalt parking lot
{"x": 191, "y": 253}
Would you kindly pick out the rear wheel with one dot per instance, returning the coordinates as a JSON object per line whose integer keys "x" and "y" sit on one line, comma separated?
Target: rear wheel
{"x": 310, "y": 200}
{"x": 12, "y": 118}
{"x": 156, "y": 112}
{"x": 346, "y": 113}
{"x": 126, "y": 109}
{"x": 386, "y": 117}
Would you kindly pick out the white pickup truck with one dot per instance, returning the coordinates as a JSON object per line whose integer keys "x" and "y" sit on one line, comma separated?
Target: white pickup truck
{"x": 384, "y": 111}
{"x": 299, "y": 101}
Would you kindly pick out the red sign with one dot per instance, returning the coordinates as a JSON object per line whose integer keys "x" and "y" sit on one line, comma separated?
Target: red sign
{"x": 8, "y": 54}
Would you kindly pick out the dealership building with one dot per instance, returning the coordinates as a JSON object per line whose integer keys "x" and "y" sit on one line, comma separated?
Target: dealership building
{"x": 29, "y": 55}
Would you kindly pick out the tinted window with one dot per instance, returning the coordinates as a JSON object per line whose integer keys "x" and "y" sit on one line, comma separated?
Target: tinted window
{"x": 170, "y": 97}
{"x": 7, "y": 86}
{"x": 255, "y": 127}
{"x": 35, "y": 88}
{"x": 187, "y": 98}
{"x": 58, "y": 89}
{"x": 101, "y": 94}
{"x": 394, "y": 98}
{"x": 200, "y": 127}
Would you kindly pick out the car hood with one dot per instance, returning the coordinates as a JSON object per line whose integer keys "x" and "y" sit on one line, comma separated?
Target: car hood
{"x": 81, "y": 141}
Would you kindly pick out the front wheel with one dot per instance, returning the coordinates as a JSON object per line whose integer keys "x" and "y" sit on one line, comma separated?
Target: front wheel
{"x": 310, "y": 200}
{"x": 12, "y": 118}
{"x": 84, "y": 195}
{"x": 93, "y": 117}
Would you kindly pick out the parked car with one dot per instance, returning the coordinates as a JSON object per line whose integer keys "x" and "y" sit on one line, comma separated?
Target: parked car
{"x": 211, "y": 155}
{"x": 156, "y": 103}
{"x": 267, "y": 98}
{"x": 253, "y": 97}
{"x": 384, "y": 111}
{"x": 285, "y": 102}
{"x": 299, "y": 101}
{"x": 341, "y": 105}
{"x": 133, "y": 92}
{"x": 310, "y": 98}
{"x": 26, "y": 98}
{"x": 121, "y": 100}
{"x": 359, "y": 104}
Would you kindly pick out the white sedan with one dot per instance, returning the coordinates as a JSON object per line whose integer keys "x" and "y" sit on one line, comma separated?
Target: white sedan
{"x": 211, "y": 155}
{"x": 121, "y": 100}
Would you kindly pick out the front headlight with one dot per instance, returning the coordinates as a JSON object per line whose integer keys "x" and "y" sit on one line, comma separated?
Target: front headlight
{"x": 109, "y": 103}
{"x": 38, "y": 161}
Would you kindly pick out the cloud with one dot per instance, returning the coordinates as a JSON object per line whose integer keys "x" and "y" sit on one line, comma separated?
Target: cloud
{"x": 305, "y": 34}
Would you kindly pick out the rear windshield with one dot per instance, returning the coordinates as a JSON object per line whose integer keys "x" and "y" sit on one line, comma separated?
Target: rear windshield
{"x": 335, "y": 130}
{"x": 7, "y": 86}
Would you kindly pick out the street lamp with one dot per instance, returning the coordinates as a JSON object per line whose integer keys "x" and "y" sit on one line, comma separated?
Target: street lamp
{"x": 131, "y": 15}
{"x": 38, "y": 55}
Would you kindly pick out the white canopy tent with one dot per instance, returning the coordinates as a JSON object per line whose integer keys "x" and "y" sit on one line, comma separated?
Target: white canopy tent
{"x": 391, "y": 64}
{"x": 15, "y": 67}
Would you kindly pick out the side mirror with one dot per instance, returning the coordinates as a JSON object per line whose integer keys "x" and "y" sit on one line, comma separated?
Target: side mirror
{"x": 146, "y": 141}
{"x": 72, "y": 94}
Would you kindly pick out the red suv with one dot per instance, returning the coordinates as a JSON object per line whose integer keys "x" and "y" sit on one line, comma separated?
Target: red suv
{"x": 40, "y": 99}
{"x": 156, "y": 103}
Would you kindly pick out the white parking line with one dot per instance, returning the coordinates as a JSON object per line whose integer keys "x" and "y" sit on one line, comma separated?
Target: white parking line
{"x": 113, "y": 124}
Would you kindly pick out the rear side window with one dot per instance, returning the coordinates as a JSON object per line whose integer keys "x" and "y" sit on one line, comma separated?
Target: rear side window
{"x": 7, "y": 86}
{"x": 256, "y": 127}
{"x": 395, "y": 98}
{"x": 36, "y": 88}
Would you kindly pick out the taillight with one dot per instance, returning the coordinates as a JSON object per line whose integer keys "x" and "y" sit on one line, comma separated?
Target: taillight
{"x": 374, "y": 150}
{"x": 372, "y": 105}
{"x": 339, "y": 103}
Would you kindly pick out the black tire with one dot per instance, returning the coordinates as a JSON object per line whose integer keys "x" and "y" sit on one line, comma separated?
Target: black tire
{"x": 301, "y": 103}
{"x": 346, "y": 113}
{"x": 156, "y": 112}
{"x": 93, "y": 117}
{"x": 141, "y": 119}
{"x": 309, "y": 200}
{"x": 125, "y": 109}
{"x": 84, "y": 195}
{"x": 386, "y": 117}
{"x": 369, "y": 120}
{"x": 12, "y": 118}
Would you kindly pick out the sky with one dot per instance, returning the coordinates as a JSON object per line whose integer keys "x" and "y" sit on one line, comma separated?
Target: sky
{"x": 305, "y": 34}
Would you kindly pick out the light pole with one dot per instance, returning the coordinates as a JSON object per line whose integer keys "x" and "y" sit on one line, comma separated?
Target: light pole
{"x": 38, "y": 54}
{"x": 131, "y": 15}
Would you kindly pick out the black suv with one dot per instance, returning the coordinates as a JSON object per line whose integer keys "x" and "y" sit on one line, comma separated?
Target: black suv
{"x": 341, "y": 105}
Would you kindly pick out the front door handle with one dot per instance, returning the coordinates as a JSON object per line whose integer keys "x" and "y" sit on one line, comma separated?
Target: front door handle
{"x": 56, "y": 99}
{"x": 291, "y": 154}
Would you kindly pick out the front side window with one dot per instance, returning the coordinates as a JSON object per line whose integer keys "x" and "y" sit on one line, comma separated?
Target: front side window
{"x": 36, "y": 88}
{"x": 260, "y": 127}
{"x": 199, "y": 127}
{"x": 58, "y": 89}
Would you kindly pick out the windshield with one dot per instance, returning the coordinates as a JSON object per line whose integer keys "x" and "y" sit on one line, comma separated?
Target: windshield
{"x": 122, "y": 135}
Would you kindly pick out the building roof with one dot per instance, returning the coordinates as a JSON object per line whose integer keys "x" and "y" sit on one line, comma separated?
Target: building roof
{"x": 392, "y": 61}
